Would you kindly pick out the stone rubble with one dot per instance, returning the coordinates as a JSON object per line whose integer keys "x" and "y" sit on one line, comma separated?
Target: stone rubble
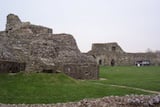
{"x": 112, "y": 101}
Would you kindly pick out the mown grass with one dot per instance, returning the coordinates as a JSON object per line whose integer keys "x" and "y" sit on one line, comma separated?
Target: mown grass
{"x": 147, "y": 77}
{"x": 54, "y": 88}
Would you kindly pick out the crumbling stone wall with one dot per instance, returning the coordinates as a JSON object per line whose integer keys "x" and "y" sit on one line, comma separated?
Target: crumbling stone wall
{"x": 14, "y": 23}
{"x": 105, "y": 53}
{"x": 43, "y": 51}
{"x": 81, "y": 71}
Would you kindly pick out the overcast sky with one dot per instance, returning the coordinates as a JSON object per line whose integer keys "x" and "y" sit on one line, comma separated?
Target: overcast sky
{"x": 133, "y": 24}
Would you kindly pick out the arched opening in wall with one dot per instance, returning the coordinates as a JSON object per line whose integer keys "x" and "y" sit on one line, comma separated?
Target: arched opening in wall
{"x": 112, "y": 62}
{"x": 100, "y": 62}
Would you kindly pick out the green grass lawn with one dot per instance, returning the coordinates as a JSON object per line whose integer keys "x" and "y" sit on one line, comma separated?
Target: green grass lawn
{"x": 53, "y": 88}
{"x": 147, "y": 77}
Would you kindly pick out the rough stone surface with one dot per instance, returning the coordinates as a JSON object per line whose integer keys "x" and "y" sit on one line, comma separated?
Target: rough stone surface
{"x": 112, "y": 101}
{"x": 105, "y": 53}
{"x": 43, "y": 51}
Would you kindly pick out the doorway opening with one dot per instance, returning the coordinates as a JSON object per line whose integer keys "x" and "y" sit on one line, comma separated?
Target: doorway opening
{"x": 112, "y": 62}
{"x": 100, "y": 62}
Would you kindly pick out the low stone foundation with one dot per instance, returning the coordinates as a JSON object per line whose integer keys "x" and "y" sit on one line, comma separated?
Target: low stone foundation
{"x": 82, "y": 71}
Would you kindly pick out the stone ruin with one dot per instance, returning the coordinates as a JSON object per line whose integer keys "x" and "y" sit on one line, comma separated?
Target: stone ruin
{"x": 31, "y": 48}
{"x": 112, "y": 54}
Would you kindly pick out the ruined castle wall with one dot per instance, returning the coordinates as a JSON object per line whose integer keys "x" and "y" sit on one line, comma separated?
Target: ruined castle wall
{"x": 105, "y": 53}
{"x": 106, "y": 47}
{"x": 13, "y": 22}
{"x": 81, "y": 71}
{"x": 40, "y": 30}
{"x": 43, "y": 51}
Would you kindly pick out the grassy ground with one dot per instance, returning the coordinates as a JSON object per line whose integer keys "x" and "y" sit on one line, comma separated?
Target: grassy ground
{"x": 140, "y": 77}
{"x": 53, "y": 88}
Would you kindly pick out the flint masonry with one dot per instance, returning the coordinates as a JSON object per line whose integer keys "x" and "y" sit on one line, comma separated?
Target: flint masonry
{"x": 31, "y": 48}
{"x": 113, "y": 54}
